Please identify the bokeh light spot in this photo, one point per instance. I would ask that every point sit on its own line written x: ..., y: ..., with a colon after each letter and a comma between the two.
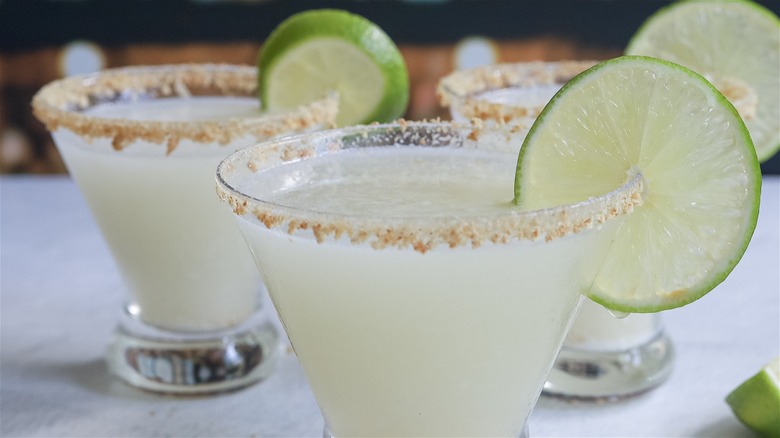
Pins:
x: 475, y: 51
x: 81, y: 57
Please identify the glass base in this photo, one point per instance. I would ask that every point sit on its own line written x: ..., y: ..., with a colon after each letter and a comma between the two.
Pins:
x: 610, y: 375
x: 193, y: 363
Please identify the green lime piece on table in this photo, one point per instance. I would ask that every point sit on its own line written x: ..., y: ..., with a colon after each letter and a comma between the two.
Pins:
x: 316, y: 52
x: 701, y: 179
x: 756, y: 402
x: 735, y: 44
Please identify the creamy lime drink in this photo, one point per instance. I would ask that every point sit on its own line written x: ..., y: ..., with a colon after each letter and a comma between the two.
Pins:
x: 133, y: 189
x: 604, y: 354
x: 142, y: 144
x: 419, y: 300
x: 599, y: 329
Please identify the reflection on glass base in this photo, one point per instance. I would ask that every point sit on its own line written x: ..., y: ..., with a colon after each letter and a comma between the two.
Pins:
x: 610, y: 375
x: 326, y: 432
x: 193, y: 364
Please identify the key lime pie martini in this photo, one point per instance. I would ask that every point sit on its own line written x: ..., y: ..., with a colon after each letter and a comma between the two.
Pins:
x: 142, y: 144
x: 606, y: 354
x: 418, y: 301
x: 425, y: 294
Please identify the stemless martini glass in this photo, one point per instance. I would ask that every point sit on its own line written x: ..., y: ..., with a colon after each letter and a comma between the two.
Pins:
x: 142, y: 144
x: 604, y: 355
x: 419, y: 300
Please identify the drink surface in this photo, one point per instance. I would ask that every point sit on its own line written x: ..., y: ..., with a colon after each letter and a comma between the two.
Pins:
x: 531, y: 97
x: 396, y: 342
x: 380, y: 182
x: 179, y: 109
x: 188, y: 272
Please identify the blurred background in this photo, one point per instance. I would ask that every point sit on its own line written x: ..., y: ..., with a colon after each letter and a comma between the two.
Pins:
x: 42, y: 40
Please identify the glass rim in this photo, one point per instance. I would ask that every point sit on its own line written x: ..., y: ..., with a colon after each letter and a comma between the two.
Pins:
x: 420, y: 232
x: 61, y: 103
x: 463, y: 87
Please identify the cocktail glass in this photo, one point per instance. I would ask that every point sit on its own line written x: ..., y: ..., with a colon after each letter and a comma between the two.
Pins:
x: 419, y: 300
x: 142, y: 144
x: 604, y: 356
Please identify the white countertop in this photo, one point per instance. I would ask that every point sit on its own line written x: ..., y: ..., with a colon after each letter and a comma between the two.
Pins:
x: 61, y: 294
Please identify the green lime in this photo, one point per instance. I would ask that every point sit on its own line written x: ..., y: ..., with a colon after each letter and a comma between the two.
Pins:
x: 702, y: 181
x: 756, y: 402
x: 735, y: 45
x: 319, y: 51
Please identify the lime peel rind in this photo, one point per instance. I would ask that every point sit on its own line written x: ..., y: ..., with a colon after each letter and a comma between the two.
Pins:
x: 756, y: 402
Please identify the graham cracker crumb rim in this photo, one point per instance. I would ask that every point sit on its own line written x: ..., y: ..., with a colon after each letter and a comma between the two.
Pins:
x: 60, y: 104
x: 418, y: 233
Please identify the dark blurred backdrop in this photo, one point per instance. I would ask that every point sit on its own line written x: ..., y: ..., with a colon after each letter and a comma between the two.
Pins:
x: 42, y: 40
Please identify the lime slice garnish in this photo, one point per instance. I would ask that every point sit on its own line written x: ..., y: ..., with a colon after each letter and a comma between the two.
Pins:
x: 735, y: 45
x: 316, y: 52
x: 702, y: 180
x: 756, y: 402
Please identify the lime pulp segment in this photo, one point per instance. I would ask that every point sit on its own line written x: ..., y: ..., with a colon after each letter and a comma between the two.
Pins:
x: 317, y: 52
x: 315, y: 66
x: 702, y: 180
x: 735, y: 45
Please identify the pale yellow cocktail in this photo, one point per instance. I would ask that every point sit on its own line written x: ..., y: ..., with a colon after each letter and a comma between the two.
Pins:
x: 418, y: 299
x: 142, y: 144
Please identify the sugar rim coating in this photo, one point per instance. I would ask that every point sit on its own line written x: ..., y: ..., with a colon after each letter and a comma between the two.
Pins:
x: 419, y: 233
x: 463, y: 87
x: 61, y: 104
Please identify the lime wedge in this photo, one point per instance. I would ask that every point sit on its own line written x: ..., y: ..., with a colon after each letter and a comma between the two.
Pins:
x: 702, y: 180
x: 316, y: 52
x: 756, y: 402
x: 735, y: 45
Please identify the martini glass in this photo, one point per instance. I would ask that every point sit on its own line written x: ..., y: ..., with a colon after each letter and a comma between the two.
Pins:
x: 142, y: 144
x: 419, y: 300
x: 605, y: 355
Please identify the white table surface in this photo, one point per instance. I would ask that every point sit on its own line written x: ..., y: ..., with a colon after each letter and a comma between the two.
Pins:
x: 61, y: 295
